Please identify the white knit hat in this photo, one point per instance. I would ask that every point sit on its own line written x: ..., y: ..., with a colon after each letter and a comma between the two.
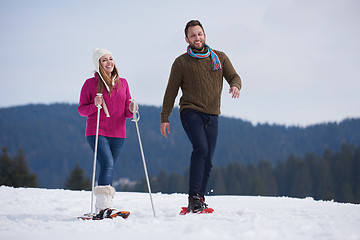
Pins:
x: 98, y: 53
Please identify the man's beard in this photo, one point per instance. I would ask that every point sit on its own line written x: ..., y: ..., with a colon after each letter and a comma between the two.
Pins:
x: 198, y: 48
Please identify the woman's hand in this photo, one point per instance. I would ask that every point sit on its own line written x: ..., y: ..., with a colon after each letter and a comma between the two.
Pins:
x: 131, y: 107
x: 98, y: 101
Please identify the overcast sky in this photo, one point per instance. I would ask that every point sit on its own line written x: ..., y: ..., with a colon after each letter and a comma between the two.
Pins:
x: 299, y: 60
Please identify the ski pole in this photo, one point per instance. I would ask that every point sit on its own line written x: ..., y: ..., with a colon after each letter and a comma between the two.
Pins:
x: 95, y: 154
x: 136, y: 117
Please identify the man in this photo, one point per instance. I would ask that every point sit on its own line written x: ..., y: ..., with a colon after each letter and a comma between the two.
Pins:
x: 199, y: 73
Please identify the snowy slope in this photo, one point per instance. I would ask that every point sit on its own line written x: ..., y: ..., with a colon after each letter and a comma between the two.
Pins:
x: 27, y: 213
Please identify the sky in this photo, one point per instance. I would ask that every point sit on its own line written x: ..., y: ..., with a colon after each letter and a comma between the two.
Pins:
x: 299, y: 61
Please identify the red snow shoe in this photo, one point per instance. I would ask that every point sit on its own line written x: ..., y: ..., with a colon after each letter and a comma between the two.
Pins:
x: 185, y: 210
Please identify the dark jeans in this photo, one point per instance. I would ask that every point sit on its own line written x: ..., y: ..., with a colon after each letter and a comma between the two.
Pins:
x: 108, y: 153
x: 202, y: 131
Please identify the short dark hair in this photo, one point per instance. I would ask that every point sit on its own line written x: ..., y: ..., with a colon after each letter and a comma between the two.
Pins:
x: 193, y: 23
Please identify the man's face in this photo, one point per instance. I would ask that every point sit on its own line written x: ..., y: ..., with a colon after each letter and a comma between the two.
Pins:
x: 196, y: 37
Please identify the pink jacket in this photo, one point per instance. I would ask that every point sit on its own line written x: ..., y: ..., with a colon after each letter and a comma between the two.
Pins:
x: 117, y: 104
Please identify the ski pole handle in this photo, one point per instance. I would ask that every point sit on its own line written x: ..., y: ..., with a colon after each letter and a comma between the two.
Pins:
x: 105, y: 109
x: 103, y: 105
x: 99, y: 105
x: 135, y: 111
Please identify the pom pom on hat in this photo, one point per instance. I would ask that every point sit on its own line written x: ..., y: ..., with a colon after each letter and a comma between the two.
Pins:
x: 98, y: 53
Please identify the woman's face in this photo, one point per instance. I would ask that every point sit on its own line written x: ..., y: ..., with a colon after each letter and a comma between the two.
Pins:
x: 107, y: 62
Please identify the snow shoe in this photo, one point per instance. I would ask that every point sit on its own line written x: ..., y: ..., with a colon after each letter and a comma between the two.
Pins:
x: 196, y: 205
x: 87, y: 216
x: 106, y: 213
x: 186, y: 210
x: 110, y: 213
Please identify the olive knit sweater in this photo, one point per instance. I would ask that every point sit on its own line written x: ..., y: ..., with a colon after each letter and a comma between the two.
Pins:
x: 201, y: 86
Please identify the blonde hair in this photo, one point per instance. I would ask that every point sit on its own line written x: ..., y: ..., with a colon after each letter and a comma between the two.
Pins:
x: 107, y: 79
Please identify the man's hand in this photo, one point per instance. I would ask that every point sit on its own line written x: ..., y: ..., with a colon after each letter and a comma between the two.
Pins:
x: 235, y: 92
x: 163, y: 127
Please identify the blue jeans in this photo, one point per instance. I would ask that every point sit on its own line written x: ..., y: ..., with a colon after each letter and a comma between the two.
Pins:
x: 108, y: 153
x: 202, y: 131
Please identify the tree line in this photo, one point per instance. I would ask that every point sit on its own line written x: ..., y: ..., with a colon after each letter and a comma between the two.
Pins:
x: 14, y: 172
x: 330, y: 176
x: 53, y: 139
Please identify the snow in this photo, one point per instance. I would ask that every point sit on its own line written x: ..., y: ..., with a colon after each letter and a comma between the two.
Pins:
x: 30, y: 213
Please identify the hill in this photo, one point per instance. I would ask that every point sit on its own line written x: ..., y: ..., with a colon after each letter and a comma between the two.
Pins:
x: 52, y: 214
x: 52, y: 137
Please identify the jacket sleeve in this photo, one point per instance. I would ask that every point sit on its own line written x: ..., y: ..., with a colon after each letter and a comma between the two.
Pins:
x: 86, y: 103
x: 128, y: 114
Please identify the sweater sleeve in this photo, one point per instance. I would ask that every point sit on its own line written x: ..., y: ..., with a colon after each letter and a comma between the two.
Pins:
x: 86, y: 104
x: 172, y: 90
x: 128, y: 114
x: 229, y: 72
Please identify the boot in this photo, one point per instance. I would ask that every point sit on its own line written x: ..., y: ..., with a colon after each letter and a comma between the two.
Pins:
x: 196, y: 203
x: 104, y: 197
x: 104, y: 202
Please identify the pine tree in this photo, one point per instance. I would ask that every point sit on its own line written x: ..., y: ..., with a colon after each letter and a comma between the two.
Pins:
x: 324, y: 183
x: 357, y: 175
x: 265, y: 172
x: 5, y: 168
x: 343, y: 173
x: 78, y: 180
x: 15, y: 172
x: 233, y: 179
x: 21, y: 174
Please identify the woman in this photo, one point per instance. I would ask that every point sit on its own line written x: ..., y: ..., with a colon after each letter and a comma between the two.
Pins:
x: 116, y: 107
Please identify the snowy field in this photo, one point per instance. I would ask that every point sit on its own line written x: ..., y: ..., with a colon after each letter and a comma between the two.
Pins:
x: 28, y: 213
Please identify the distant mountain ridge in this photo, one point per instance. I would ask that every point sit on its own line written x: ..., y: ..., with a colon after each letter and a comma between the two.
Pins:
x: 52, y: 137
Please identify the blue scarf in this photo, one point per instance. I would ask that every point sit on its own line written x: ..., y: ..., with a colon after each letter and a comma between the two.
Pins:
x: 214, y: 57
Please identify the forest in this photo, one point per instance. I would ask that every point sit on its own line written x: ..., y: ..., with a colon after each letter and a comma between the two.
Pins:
x: 52, y: 140
x: 330, y: 176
